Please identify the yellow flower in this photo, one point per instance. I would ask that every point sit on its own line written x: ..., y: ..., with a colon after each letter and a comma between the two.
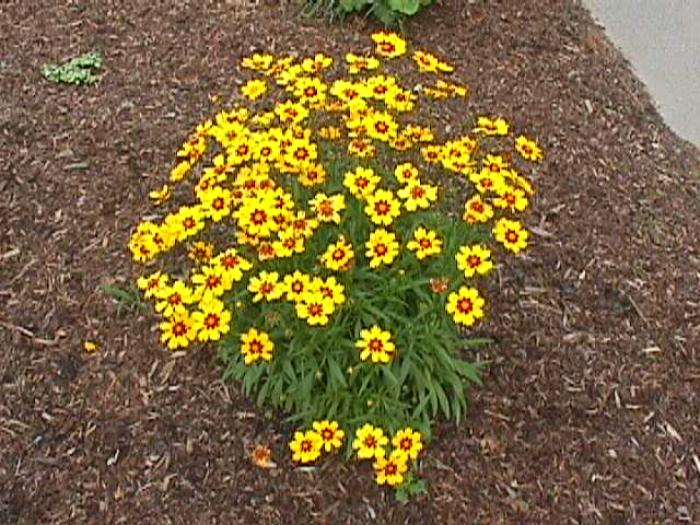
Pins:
x: 256, y: 346
x: 511, y: 234
x: 311, y: 91
x: 180, y: 171
x: 331, y: 434
x: 389, y: 45
x: 254, y: 89
x: 513, y: 199
x: 232, y: 264
x: 529, y: 149
x: 338, y: 256
x: 161, y: 195
x: 265, y: 286
x: 314, y: 308
x: 474, y: 259
x: 328, y: 207
x: 216, y: 203
x: 153, y: 283
x: 391, y: 470
x: 498, y: 126
x: 178, y: 331
x: 361, y: 182
x: 172, y: 299
x: 210, y: 282
x: 201, y: 251
x: 330, y: 288
x: 291, y: 112
x: 418, y: 195
x: 358, y: 64
x: 362, y: 148
x: 296, y: 285
x: 487, y: 181
x: 476, y: 211
x: 381, y: 126
x: 211, y: 321
x: 406, y: 173
x: 258, y: 62
x: 408, y: 441
x: 90, y: 347
x: 382, y: 207
x: 425, y: 243
x: 465, y: 306
x: 376, y: 344
x: 382, y: 248
x: 306, y: 446
x: 317, y: 64
x: 370, y: 442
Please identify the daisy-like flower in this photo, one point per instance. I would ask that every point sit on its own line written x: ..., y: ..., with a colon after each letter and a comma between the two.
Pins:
x: 232, y: 264
x: 381, y: 125
x: 338, y: 256
x: 153, y: 283
x: 425, y: 243
x: 256, y: 346
x: 529, y: 149
x: 375, y: 344
x: 317, y: 63
x: 382, y: 207
x: 474, y: 259
x: 315, y: 309
x: 254, y: 89
x: 296, y: 285
x: 212, y: 320
x: 476, y: 211
x: 487, y: 181
x: 306, y: 446
x: 330, y: 289
x: 417, y: 195
x: 370, y: 442
x: 361, y: 182
x: 391, y: 470
x: 216, y: 203
x: 409, y: 441
x: 512, y: 234
x: 382, y: 248
x: 266, y: 286
x: 180, y: 171
x: 178, y: 331
x: 362, y: 148
x: 431, y: 154
x: 328, y: 207
x: 173, y: 299
x: 258, y: 61
x: 498, y: 126
x: 291, y: 112
x: 465, y: 306
x: 201, y: 252
x: 161, y: 195
x: 311, y: 91
x: 406, y: 173
x: 358, y: 64
x: 389, y: 45
x: 210, y: 282
x: 331, y: 434
x: 513, y: 199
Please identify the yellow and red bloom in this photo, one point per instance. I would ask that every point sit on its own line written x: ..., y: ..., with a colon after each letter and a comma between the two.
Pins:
x: 306, y: 446
x: 369, y: 442
x: 476, y: 211
x: 161, y: 195
x: 474, y: 259
x: 256, y: 346
x: 529, y: 149
x: 408, y: 441
x: 375, y: 344
x: 511, y: 234
x: 465, y: 305
x: 153, y: 283
x: 418, y: 195
x: 406, y: 173
x: 498, y: 126
x: 315, y: 308
x: 358, y: 64
x: 266, y: 286
x: 331, y: 434
x: 254, y: 89
x: 178, y: 331
x: 330, y: 288
x: 339, y: 255
x: 382, y: 248
x: 212, y: 320
x: 513, y: 199
x: 361, y: 182
x: 296, y: 285
x: 173, y: 298
x: 424, y: 243
x: 328, y: 207
x: 391, y: 470
x: 210, y: 282
x: 382, y: 207
x: 389, y: 45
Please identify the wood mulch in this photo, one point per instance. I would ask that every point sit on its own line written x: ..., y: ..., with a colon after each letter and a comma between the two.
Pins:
x: 589, y: 412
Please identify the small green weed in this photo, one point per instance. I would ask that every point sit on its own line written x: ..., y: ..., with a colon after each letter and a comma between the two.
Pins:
x: 128, y: 298
x: 79, y: 70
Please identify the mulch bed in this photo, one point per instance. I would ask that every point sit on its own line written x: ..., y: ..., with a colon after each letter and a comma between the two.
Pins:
x: 589, y: 412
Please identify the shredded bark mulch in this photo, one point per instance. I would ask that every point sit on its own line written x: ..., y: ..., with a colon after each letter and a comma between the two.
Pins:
x: 589, y: 412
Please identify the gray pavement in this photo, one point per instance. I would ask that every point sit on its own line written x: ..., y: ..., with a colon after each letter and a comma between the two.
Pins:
x: 661, y: 38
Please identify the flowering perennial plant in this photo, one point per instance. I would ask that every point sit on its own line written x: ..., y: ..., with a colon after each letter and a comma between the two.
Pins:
x: 312, y: 232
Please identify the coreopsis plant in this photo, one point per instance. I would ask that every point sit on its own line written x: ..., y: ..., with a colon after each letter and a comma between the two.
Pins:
x: 335, y: 247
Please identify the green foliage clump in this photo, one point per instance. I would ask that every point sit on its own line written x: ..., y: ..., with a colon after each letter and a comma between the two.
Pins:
x: 390, y: 12
x: 78, y: 71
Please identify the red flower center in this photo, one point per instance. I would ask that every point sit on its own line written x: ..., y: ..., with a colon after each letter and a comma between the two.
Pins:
x: 212, y: 321
x: 465, y: 305
x: 474, y: 261
x: 259, y: 217
x: 315, y: 309
x: 179, y: 329
x: 511, y: 236
x: 256, y: 347
x: 381, y: 249
x: 382, y: 207
x: 339, y: 254
x: 425, y: 243
x: 375, y: 345
x: 213, y: 281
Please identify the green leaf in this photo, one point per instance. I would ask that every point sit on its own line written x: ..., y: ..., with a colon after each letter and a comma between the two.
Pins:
x: 353, y: 5
x: 407, y: 7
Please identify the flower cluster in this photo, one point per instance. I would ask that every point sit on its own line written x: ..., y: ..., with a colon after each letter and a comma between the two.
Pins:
x: 324, y: 258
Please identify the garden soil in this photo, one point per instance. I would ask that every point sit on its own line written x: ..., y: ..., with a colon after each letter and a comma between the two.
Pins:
x: 589, y: 412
